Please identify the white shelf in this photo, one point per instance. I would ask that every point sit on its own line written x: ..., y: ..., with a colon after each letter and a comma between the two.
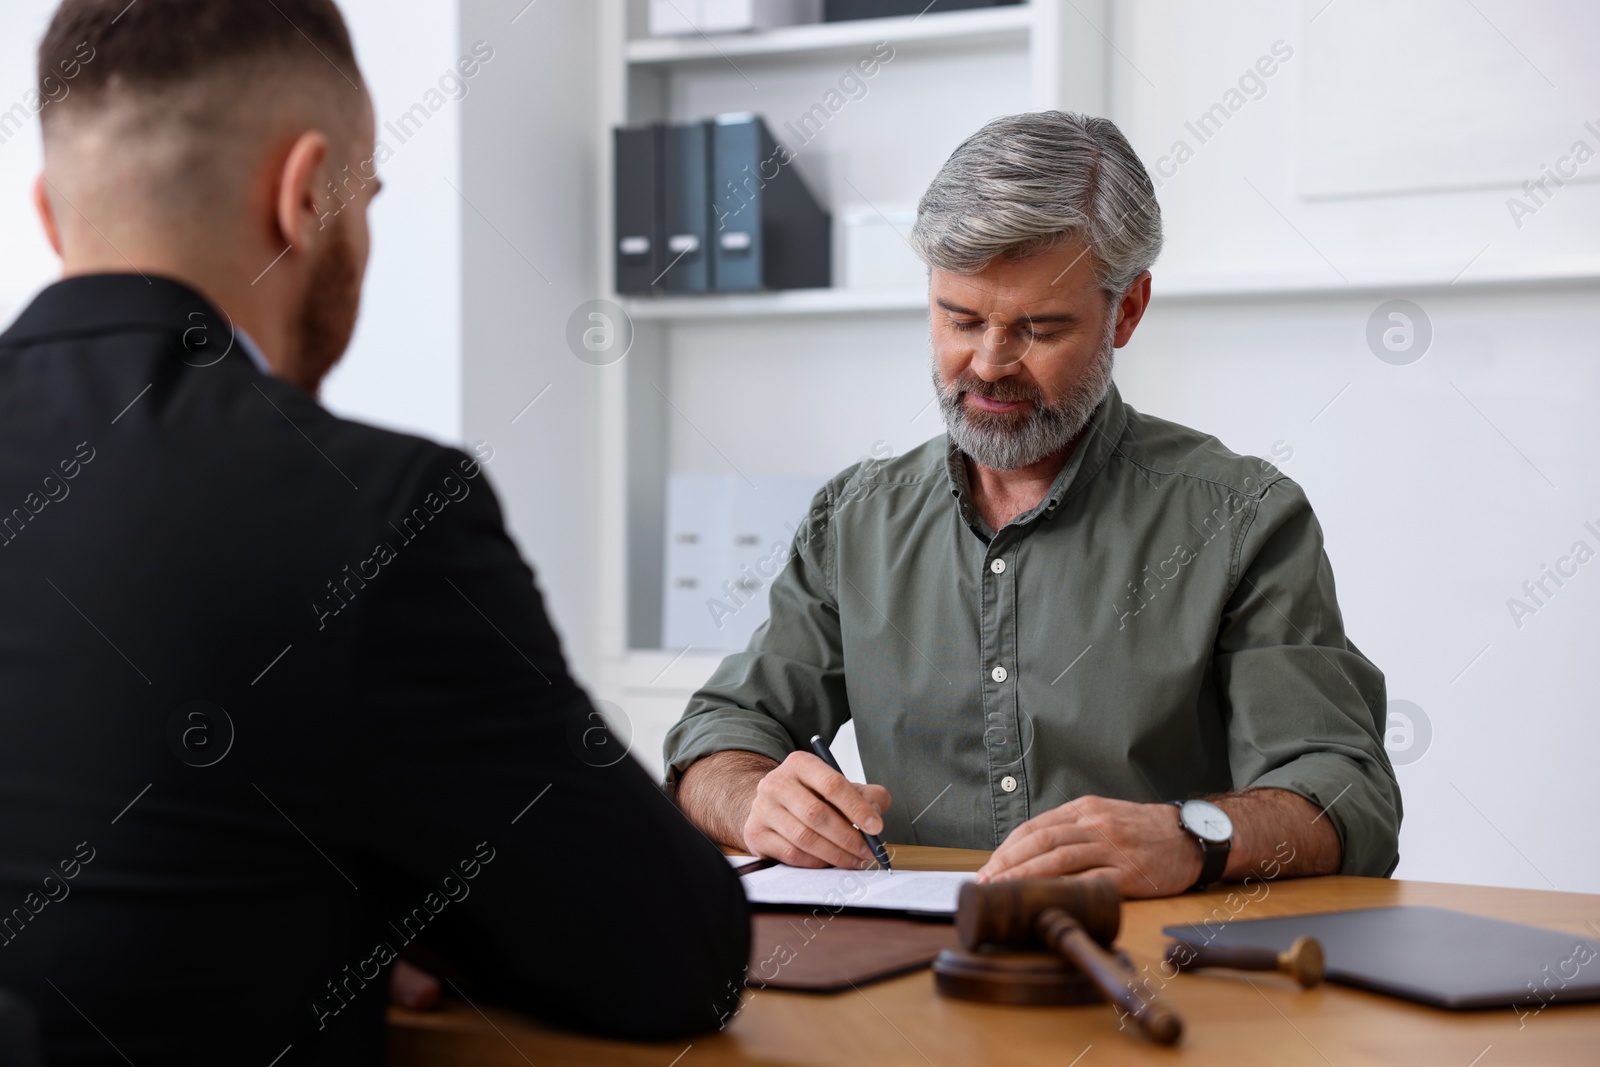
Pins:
x: 712, y: 307
x: 787, y: 302
x: 982, y: 25
x: 1313, y: 282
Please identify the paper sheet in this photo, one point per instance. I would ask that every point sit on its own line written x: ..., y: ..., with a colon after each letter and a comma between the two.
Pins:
x: 740, y: 861
x: 921, y: 891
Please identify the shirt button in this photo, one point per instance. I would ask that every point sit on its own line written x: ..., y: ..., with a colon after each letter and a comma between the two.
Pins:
x: 998, y: 566
x: 998, y: 674
x: 1009, y: 784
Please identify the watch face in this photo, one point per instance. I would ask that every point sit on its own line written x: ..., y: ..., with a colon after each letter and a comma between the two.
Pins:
x: 1206, y: 821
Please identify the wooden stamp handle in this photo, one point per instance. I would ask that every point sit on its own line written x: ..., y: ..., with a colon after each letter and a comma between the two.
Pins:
x: 1304, y: 961
x: 1066, y: 937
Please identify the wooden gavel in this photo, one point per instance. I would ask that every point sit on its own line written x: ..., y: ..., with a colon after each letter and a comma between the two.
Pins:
x: 1303, y: 961
x: 1077, y: 919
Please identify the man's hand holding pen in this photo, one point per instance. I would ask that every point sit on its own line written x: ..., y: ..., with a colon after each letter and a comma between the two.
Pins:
x: 807, y: 814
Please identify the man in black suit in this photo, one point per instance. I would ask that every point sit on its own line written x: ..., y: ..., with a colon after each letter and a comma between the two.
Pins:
x: 278, y: 697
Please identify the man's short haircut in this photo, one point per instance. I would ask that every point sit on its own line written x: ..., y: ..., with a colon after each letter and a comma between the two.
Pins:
x: 1025, y: 184
x: 152, y: 46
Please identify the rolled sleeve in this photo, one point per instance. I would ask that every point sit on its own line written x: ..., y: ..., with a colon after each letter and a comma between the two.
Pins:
x: 1305, y: 708
x: 789, y: 683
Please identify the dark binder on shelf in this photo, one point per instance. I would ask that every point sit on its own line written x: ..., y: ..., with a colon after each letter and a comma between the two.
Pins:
x: 843, y: 10
x: 768, y: 231
x: 637, y: 208
x: 686, y: 208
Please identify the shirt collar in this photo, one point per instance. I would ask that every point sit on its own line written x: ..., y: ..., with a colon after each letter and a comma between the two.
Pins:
x: 248, y: 343
x: 1095, y: 445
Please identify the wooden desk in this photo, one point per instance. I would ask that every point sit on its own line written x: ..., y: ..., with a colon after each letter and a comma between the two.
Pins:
x: 1230, y: 1019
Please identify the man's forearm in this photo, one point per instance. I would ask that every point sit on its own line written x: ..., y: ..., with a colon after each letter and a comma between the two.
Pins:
x: 1277, y: 834
x: 716, y: 792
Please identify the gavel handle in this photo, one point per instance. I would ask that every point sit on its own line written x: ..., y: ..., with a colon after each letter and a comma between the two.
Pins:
x: 1065, y: 936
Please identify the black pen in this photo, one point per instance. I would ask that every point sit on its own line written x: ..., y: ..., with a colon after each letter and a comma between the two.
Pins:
x: 820, y: 747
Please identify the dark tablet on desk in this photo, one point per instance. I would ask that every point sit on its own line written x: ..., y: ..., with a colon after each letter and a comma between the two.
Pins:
x: 1445, y: 958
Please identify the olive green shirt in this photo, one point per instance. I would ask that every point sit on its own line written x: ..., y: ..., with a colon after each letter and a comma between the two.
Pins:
x: 1162, y: 625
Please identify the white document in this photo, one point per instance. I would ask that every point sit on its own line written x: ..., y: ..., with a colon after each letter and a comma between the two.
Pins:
x: 933, y: 892
x: 740, y: 861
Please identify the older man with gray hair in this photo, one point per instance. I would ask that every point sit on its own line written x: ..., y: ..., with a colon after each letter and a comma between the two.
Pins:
x: 1084, y: 637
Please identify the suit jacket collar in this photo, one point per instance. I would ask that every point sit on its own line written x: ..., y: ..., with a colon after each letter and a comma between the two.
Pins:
x: 119, y: 303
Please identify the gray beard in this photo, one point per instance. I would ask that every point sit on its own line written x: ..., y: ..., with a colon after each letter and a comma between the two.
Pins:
x: 1044, y: 431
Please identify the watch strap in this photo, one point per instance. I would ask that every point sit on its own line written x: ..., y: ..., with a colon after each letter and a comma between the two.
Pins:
x: 1213, y: 856
x: 1213, y: 862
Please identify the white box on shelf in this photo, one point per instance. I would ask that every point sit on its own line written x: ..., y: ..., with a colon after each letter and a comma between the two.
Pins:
x: 675, y: 18
x: 726, y: 540
x: 877, y: 253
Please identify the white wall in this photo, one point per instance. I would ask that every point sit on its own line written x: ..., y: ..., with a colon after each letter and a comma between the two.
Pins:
x: 1444, y: 484
x: 530, y: 154
x: 403, y: 369
x: 1350, y: 60
x: 26, y: 262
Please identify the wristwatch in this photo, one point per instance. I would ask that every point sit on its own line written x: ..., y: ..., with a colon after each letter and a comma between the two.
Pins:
x: 1213, y: 829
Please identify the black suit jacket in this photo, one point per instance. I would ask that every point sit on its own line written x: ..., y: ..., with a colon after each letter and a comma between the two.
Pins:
x: 278, y: 697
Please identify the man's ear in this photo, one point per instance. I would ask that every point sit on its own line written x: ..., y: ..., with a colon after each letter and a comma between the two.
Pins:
x: 47, y: 214
x: 300, y: 199
x: 1131, y: 308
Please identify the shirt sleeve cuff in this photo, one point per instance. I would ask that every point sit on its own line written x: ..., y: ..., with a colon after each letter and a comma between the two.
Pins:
x: 692, y: 739
x: 1366, y: 817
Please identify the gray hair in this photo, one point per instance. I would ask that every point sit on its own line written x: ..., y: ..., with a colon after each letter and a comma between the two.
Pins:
x: 1027, y: 183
